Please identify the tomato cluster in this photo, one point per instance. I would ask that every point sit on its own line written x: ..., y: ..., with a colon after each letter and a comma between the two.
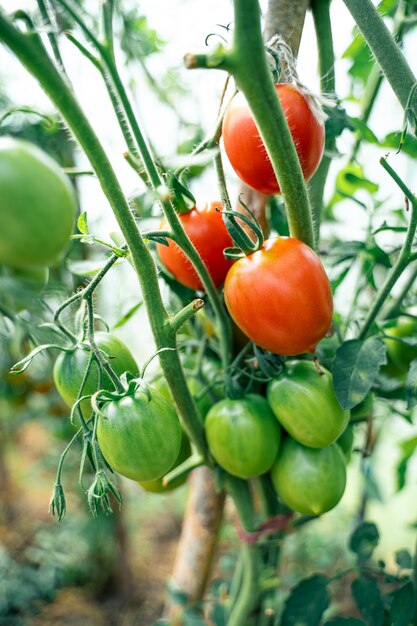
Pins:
x: 294, y: 434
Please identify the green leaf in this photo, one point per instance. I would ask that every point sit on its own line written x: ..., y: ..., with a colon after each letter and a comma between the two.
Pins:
x: 362, y: 61
x: 364, y: 540
x: 82, y: 223
x: 307, y: 602
x: 355, y: 368
x: 364, y: 132
x: 368, y: 599
x: 411, y: 385
x: 403, y: 606
x: 345, y: 621
x: 126, y: 317
x: 404, y: 559
x: 350, y: 180
x: 407, y: 448
x: 393, y: 140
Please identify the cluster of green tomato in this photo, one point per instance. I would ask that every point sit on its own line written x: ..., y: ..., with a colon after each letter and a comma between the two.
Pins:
x: 37, y: 215
x: 298, y: 432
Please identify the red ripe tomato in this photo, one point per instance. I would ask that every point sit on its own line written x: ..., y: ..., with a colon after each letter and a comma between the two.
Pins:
x: 206, y: 230
x: 280, y: 297
x: 246, y: 151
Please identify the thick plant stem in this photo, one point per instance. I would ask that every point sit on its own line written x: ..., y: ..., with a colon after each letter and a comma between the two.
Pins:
x: 198, y: 541
x: 323, y: 27
x: 386, y: 51
x: 33, y: 57
x: 286, y: 19
x: 403, y: 259
x: 248, y: 64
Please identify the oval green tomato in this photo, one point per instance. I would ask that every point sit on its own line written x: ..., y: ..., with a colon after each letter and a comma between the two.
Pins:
x: 345, y: 442
x: 70, y: 367
x: 156, y: 486
x: 243, y: 435
x: 305, y: 404
x: 399, y: 353
x: 139, y: 436
x: 37, y: 206
x: 308, y: 480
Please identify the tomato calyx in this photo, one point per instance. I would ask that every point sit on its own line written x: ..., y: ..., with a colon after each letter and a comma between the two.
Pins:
x: 134, y: 386
x: 245, y: 244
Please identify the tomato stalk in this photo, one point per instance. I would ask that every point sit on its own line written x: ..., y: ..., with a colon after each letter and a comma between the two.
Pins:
x: 404, y: 258
x: 246, y: 60
x: 387, y: 53
x: 323, y: 28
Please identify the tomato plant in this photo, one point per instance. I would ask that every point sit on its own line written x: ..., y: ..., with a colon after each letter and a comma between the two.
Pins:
x: 139, y: 435
x: 280, y: 297
x: 70, y: 368
x: 246, y: 151
x: 243, y: 435
x: 205, y: 228
x: 37, y: 206
x: 304, y: 402
x: 308, y: 480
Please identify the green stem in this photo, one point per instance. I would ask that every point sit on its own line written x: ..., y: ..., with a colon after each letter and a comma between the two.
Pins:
x: 323, y: 28
x: 403, y: 259
x: 395, y: 306
x: 249, y: 66
x: 185, y: 314
x: 28, y: 51
x: 374, y: 82
x: 52, y: 36
x: 386, y: 51
x: 249, y: 589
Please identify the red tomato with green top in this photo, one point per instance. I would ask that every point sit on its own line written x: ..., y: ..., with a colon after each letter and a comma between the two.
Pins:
x: 280, y: 297
x: 245, y: 148
x: 207, y: 232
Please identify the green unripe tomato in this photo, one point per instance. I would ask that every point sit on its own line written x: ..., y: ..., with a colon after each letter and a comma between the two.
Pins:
x: 70, y: 367
x: 345, y: 442
x: 37, y: 206
x: 20, y: 287
x: 305, y: 404
x: 243, y: 435
x: 401, y: 354
x: 310, y: 481
x: 139, y: 436
x: 156, y: 486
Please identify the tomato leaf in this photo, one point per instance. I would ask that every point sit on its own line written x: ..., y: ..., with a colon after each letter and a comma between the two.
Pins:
x: 126, y: 317
x: 355, y: 368
x: 364, y: 540
x: 411, y: 385
x: 408, y: 448
x: 404, y: 559
x: 82, y: 223
x: 368, y: 599
x: 307, y: 602
x: 403, y: 605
